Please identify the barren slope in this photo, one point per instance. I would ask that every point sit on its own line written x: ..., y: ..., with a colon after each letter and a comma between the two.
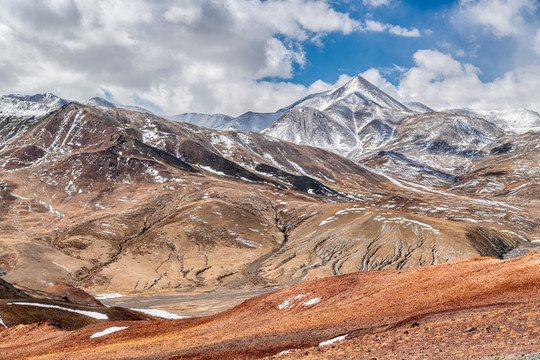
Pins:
x: 61, y: 307
x: 368, y: 307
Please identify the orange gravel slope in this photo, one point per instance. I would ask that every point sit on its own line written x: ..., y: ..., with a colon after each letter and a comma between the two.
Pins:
x: 360, y: 305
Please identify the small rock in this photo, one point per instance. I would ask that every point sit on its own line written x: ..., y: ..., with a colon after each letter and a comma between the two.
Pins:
x: 471, y: 329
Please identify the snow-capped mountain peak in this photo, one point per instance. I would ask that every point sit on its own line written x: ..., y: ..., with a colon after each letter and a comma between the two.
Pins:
x: 29, y: 106
x: 47, y: 99
x: 98, y: 101
x: 357, y: 88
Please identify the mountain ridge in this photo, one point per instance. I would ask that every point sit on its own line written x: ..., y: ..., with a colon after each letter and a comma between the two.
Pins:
x: 513, y: 120
x: 320, y: 192
x: 99, y: 187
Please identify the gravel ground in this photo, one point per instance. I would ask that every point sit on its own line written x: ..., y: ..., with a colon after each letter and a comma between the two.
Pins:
x: 513, y: 357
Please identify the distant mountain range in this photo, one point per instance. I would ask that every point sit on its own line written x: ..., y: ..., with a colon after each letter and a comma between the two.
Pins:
x: 358, y: 99
x: 340, y: 181
x: 357, y: 120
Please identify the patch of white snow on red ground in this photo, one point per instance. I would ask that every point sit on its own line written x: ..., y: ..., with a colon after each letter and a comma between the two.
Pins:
x: 331, y: 341
x: 108, y: 331
x: 288, y: 351
x: 312, y: 301
x: 92, y: 314
x: 298, y: 300
x: 208, y: 168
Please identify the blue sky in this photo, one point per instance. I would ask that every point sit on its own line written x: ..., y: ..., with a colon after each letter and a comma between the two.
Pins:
x: 231, y: 56
x: 357, y: 52
x: 441, y: 29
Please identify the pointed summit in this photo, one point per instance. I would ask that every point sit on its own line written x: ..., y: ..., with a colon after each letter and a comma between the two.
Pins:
x: 98, y: 101
x: 360, y: 87
x: 356, y: 90
x: 353, y: 118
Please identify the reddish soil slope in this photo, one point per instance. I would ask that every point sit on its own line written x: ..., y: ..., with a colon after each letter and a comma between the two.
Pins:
x: 73, y: 294
x: 451, y: 304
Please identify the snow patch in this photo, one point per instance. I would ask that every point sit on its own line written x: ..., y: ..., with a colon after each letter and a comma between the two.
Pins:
x: 288, y: 351
x: 62, y: 266
x: 406, y: 222
x: 161, y: 314
x: 92, y: 314
x: 312, y: 302
x: 249, y: 243
x: 108, y: 331
x: 208, y: 168
x: 51, y: 209
x: 107, y: 296
x: 334, y: 340
x: 20, y: 197
x: 329, y: 220
x: 298, y: 300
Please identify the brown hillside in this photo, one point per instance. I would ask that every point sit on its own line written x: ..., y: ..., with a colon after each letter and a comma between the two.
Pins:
x: 367, y: 306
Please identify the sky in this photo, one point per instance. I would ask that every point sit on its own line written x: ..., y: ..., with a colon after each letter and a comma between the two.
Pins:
x: 233, y: 56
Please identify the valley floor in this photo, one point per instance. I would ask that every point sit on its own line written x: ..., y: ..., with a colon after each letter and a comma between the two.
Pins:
x: 188, y: 304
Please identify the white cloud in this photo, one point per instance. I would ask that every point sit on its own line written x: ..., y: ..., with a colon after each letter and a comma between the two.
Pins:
x: 179, y: 55
x: 188, y: 13
x: 182, y: 55
x: 500, y: 17
x: 399, y: 31
x: 376, y: 78
x: 280, y: 60
x: 440, y: 81
x: 376, y: 3
x: 376, y: 26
